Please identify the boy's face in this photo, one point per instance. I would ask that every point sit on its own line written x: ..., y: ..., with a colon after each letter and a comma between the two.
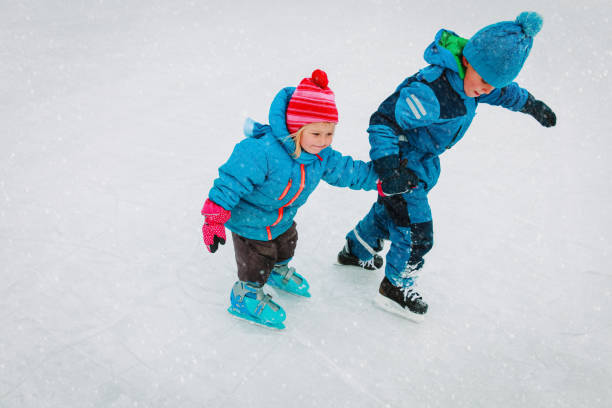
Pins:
x: 317, y: 136
x: 473, y: 84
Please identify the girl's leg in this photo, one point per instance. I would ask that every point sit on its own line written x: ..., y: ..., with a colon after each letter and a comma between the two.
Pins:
x: 255, y: 259
x: 285, y: 244
x: 283, y: 276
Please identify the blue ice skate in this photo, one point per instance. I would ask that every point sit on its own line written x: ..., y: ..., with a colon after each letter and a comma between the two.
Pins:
x: 285, y: 278
x: 248, y: 301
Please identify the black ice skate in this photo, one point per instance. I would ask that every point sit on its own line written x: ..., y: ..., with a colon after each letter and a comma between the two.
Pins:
x: 346, y: 258
x: 405, y: 302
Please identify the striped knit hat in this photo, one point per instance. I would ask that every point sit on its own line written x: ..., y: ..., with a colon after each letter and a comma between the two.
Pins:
x: 311, y: 102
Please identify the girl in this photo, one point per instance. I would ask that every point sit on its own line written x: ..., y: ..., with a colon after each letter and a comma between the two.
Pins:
x: 268, y: 176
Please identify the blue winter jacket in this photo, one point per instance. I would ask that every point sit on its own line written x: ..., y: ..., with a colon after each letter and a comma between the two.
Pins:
x: 263, y: 185
x: 429, y: 112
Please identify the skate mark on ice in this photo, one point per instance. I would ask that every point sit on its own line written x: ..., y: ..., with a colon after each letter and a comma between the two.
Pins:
x: 344, y: 376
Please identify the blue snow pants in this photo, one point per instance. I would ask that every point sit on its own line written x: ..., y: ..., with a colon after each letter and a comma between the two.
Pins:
x: 406, y: 221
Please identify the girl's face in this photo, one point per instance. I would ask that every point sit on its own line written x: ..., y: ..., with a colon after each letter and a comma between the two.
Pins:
x: 473, y: 84
x: 317, y: 136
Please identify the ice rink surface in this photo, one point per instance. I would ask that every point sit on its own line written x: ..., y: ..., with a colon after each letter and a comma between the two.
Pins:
x: 114, y: 118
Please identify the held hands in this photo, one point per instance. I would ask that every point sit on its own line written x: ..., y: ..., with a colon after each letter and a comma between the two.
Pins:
x: 213, y: 229
x: 540, y: 111
x: 395, y: 178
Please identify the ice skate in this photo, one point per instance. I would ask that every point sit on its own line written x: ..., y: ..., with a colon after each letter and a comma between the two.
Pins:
x: 286, y: 278
x: 249, y: 302
x: 403, y: 301
x: 345, y: 257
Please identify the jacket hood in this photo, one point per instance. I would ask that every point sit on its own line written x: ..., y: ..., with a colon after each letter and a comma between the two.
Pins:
x: 446, y: 51
x: 278, y: 126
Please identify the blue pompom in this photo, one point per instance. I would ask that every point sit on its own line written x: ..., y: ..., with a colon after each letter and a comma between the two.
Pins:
x: 531, y: 22
x: 249, y: 127
x: 254, y: 129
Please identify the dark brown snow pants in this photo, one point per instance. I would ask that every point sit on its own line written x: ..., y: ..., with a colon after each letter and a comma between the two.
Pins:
x: 256, y: 259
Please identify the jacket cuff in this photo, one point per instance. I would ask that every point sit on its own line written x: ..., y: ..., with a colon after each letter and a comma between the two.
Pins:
x: 528, y: 107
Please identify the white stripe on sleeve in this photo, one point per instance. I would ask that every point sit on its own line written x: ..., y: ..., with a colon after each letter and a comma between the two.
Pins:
x: 419, y: 104
x: 413, y: 108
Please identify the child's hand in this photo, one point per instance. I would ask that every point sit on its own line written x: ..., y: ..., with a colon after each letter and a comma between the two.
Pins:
x: 540, y: 111
x: 213, y: 229
x: 395, y: 178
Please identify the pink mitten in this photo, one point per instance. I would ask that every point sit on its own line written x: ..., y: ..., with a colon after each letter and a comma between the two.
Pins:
x: 213, y: 230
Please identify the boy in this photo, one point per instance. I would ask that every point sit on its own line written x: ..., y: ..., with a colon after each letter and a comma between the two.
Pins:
x: 427, y: 114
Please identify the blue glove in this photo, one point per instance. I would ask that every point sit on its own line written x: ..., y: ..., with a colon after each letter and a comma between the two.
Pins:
x: 540, y: 111
x: 395, y: 178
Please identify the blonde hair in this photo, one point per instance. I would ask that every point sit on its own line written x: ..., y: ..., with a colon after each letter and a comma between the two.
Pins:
x: 297, y: 137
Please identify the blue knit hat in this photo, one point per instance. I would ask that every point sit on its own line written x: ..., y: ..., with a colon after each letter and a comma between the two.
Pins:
x: 498, y: 51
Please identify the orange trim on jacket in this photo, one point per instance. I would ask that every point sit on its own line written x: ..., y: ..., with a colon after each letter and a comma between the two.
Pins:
x: 281, y: 210
x: 285, y: 191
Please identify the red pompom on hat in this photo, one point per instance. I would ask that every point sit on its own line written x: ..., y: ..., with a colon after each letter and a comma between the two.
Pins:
x: 311, y: 102
x: 319, y: 78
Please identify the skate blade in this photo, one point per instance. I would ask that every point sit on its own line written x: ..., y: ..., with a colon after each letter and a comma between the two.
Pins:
x: 361, y: 268
x: 252, y: 320
x: 392, y: 307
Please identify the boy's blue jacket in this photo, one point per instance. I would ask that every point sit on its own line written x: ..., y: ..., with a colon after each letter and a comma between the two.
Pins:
x: 263, y: 185
x: 429, y: 112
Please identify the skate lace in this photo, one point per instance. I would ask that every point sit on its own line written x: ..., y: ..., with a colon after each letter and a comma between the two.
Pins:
x: 368, y: 263
x: 411, y: 294
x: 409, y: 277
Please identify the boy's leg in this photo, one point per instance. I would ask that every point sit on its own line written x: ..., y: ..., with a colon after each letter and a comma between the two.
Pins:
x: 365, y: 240
x: 422, y: 241
x: 411, y: 234
x: 397, y: 292
x: 410, y: 241
x: 408, y: 246
x: 399, y: 253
